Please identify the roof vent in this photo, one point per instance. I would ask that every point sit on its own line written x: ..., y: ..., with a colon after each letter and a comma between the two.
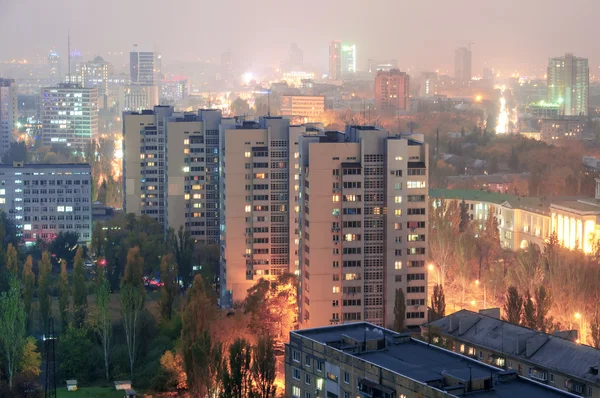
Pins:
x: 594, y: 370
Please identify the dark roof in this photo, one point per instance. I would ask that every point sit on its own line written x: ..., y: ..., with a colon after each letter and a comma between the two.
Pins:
x: 416, y: 165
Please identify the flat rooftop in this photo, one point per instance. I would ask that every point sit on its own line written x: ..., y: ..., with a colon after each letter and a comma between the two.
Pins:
x: 425, y: 363
x: 46, y: 166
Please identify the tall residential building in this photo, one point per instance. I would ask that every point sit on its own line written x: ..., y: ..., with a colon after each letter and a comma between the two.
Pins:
x: 335, y: 60
x: 429, y: 84
x: 363, y: 226
x: 8, y: 113
x: 296, y: 61
x: 348, y: 59
x: 392, y: 91
x: 69, y: 115
x: 145, y: 67
x: 384, y: 65
x: 95, y: 73
x: 568, y: 84
x: 135, y: 97
x: 55, y: 66
x: 45, y: 199
x: 259, y: 203
x: 303, y: 108
x: 462, y: 65
x: 170, y: 168
x: 174, y: 90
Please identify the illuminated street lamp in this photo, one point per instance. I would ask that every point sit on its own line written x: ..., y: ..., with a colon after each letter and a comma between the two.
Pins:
x: 432, y: 267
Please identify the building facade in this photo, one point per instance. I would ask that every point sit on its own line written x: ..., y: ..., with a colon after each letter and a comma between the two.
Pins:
x: 145, y: 67
x: 95, y: 74
x: 348, y: 59
x: 45, y: 199
x: 565, y: 128
x: 303, y: 108
x: 335, y: 60
x: 69, y: 115
x: 392, y: 91
x: 375, y: 65
x: 462, y: 65
x: 569, y: 84
x: 259, y: 177
x: 363, y: 205
x: 362, y: 360
x: 170, y: 169
x: 9, y: 113
x: 429, y: 84
x: 135, y: 98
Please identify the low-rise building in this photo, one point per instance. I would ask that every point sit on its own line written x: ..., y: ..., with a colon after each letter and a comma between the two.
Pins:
x: 45, y: 199
x: 303, y: 108
x: 544, y: 358
x: 569, y: 128
x: 363, y: 360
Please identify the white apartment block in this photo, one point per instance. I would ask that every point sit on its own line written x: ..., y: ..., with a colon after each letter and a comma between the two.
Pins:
x: 259, y: 202
x: 363, y: 227
x: 8, y: 113
x: 304, y: 108
x: 170, y: 167
x: 69, y: 115
x: 45, y: 199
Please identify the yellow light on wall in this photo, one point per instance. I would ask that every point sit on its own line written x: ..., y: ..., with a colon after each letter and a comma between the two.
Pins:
x: 589, y: 229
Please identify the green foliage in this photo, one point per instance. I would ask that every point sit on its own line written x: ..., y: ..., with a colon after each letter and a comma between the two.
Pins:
x: 12, y: 264
x: 182, y: 246
x: 237, y: 380
x: 264, y: 367
x: 28, y: 289
x: 12, y: 328
x: 44, y: 290
x: 31, y: 359
x: 102, y: 322
x: 78, y: 357
x: 514, y: 306
x: 17, y: 152
x: 80, y: 291
x: 529, y: 316
x: 438, y: 303
x: 204, y: 365
x: 63, y: 295
x: 64, y: 246
x: 170, y: 288
x: 399, y: 311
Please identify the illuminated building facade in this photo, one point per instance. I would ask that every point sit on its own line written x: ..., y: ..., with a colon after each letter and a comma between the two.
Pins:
x: 363, y: 226
x: 384, y: 65
x: 172, y: 174
x: 8, y: 113
x: 306, y: 108
x: 135, y: 98
x: 348, y: 59
x: 295, y: 78
x: 69, y: 115
x: 429, y: 84
x: 55, y: 67
x: 565, y: 128
x: 569, y: 84
x: 335, y: 60
x: 95, y: 74
x: 174, y: 90
x: 145, y: 67
x: 392, y: 91
x: 45, y: 199
x: 462, y: 65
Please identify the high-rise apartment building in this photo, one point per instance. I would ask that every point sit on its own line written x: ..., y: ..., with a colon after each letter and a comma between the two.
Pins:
x: 145, y: 67
x: 392, y: 91
x: 462, y: 65
x: 55, y: 67
x: 69, y: 115
x: 568, y: 84
x: 96, y: 74
x: 429, y: 84
x: 363, y: 211
x: 45, y: 199
x: 170, y: 168
x: 335, y: 60
x: 8, y: 113
x: 259, y: 203
x: 348, y: 59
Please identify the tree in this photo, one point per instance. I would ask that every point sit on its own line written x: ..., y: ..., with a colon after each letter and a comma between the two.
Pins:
x: 529, y: 315
x: 17, y: 152
x: 44, y: 297
x: 399, y: 311
x: 513, y: 161
x: 183, y: 247
x: 595, y: 330
x: 64, y: 246
x: 132, y: 301
x: 172, y: 364
x: 204, y: 365
x: 438, y: 302
x: 79, y: 290
x: 169, y: 289
x: 464, y: 216
x: 11, y: 260
x: 12, y: 328
x: 237, y: 381
x: 77, y: 355
x: 28, y: 288
x: 543, y: 304
x: 465, y: 251
x: 513, y: 306
x: 443, y: 229
x: 31, y: 359
x: 63, y: 295
x: 264, y: 367
x: 102, y: 321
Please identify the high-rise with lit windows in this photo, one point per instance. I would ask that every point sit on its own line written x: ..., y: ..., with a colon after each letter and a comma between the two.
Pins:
x: 69, y: 115
x: 569, y: 84
x: 8, y: 113
x: 95, y: 73
x: 363, y: 226
x: 335, y: 60
x: 392, y: 91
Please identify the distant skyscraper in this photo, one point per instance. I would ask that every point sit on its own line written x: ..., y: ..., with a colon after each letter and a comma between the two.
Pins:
x: 335, y: 60
x: 75, y: 65
x: 8, y: 113
x: 174, y: 90
x: 296, y: 58
x: 462, y: 65
x: 145, y: 67
x: 392, y: 91
x: 135, y: 97
x: 384, y: 65
x: 95, y: 73
x: 69, y: 115
x: 54, y: 65
x: 429, y: 84
x: 568, y: 84
x: 348, y: 59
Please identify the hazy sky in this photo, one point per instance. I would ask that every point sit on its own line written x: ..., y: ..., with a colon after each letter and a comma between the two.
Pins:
x: 507, y: 34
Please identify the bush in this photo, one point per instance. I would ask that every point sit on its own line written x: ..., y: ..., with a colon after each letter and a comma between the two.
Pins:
x: 79, y: 357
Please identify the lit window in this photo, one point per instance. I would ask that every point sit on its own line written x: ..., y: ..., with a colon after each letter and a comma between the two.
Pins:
x: 296, y: 155
x: 248, y: 208
x: 69, y: 208
x: 415, y: 184
x: 398, y: 199
x: 186, y: 169
x: 60, y: 208
x: 335, y: 198
x: 27, y: 227
x: 398, y: 157
x: 398, y: 265
x: 462, y: 348
x: 295, y: 391
x: 247, y: 154
x: 2, y: 200
x: 336, y: 289
x: 186, y: 141
x: 186, y: 196
x: 398, y: 212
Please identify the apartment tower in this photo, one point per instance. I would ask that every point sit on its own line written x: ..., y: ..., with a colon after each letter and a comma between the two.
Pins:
x: 8, y: 113
x: 462, y: 65
x: 335, y: 60
x: 363, y: 226
x: 392, y: 91
x: 569, y: 84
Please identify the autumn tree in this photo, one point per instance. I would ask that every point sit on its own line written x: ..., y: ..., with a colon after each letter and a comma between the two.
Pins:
x: 182, y: 245
x: 170, y: 288
x: 102, y: 322
x: 204, y: 364
x: 132, y: 297
x: 12, y: 328
x: 529, y: 315
x: 595, y: 330
x: 464, y: 216
x: 28, y: 288
x: 237, y: 379
x: 44, y: 290
x: 264, y: 367
x: 172, y: 364
x: 443, y: 228
x: 31, y: 359
x: 513, y: 308
x: 12, y: 264
x: 465, y: 250
x: 543, y: 304
x: 438, y: 303
x: 80, y: 304
x: 399, y: 311
x: 63, y: 295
